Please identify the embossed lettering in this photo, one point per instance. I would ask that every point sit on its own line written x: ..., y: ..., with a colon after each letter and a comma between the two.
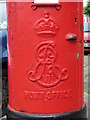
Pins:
x: 48, y: 95
x: 47, y: 72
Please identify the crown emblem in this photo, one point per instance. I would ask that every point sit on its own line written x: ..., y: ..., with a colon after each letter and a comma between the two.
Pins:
x: 46, y: 26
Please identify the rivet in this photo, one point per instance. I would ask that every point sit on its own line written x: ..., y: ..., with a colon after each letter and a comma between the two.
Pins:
x: 58, y: 7
x: 34, y: 7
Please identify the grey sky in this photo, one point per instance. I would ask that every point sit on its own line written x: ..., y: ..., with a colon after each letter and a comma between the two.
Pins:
x: 85, y: 2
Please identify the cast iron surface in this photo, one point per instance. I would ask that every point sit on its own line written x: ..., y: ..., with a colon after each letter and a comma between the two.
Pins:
x: 65, y: 116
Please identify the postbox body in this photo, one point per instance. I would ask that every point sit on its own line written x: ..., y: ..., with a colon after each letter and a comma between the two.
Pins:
x: 45, y: 57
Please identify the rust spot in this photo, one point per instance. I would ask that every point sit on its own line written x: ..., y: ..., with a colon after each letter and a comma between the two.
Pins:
x: 22, y: 111
x: 80, y: 42
x: 80, y: 27
x: 75, y: 20
x: 77, y: 55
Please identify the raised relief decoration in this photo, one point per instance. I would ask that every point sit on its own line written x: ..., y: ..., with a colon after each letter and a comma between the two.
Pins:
x: 46, y: 26
x: 46, y: 72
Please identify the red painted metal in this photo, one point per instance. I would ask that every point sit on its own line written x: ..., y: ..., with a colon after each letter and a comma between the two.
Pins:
x: 45, y: 68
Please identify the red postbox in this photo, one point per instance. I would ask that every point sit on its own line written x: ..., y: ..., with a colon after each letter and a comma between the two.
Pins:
x: 45, y: 60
